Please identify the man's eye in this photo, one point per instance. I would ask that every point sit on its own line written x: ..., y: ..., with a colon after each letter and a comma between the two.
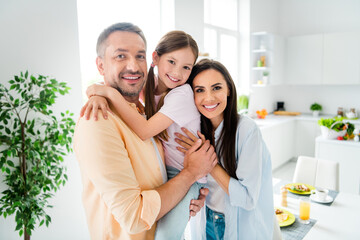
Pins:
x: 141, y: 57
x: 120, y: 56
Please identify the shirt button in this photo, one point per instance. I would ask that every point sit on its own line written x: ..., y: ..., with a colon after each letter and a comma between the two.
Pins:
x: 216, y: 217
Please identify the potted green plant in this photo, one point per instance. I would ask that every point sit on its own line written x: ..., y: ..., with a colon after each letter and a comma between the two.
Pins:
x: 33, y: 145
x: 316, y: 108
x: 265, y: 77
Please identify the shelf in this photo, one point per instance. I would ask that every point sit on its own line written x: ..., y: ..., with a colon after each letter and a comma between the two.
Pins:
x: 260, y: 68
x: 260, y: 50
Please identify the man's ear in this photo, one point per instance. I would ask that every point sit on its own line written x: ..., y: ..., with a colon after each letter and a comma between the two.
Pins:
x: 100, y: 65
x: 155, y: 58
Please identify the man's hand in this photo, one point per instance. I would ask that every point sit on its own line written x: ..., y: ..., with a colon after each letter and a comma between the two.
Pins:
x: 200, y: 161
x: 196, y: 205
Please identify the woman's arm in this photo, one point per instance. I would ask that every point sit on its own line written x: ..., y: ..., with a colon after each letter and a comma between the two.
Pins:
x: 143, y: 128
x: 218, y: 173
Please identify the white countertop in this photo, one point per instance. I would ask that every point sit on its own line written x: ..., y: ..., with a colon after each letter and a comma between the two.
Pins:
x: 349, y: 143
x: 273, y: 120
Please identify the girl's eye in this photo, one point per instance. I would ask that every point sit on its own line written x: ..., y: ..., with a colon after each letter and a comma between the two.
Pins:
x: 172, y: 62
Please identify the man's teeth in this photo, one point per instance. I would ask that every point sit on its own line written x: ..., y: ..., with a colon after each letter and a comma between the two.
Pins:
x: 131, y: 78
x: 210, y: 106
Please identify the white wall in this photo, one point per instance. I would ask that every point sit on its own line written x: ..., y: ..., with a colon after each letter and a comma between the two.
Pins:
x: 300, y: 18
x: 42, y: 36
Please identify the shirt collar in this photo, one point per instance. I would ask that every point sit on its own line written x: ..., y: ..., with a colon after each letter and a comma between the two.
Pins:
x: 218, y: 130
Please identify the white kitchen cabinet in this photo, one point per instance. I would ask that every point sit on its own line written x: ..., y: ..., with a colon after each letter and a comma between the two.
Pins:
x: 341, y: 58
x: 305, y: 133
x: 304, y: 58
x: 279, y: 140
x: 347, y: 154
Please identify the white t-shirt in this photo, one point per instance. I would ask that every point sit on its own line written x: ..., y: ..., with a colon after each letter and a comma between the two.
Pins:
x: 180, y: 107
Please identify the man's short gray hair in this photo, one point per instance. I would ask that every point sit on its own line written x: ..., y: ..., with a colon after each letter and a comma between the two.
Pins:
x: 122, y: 27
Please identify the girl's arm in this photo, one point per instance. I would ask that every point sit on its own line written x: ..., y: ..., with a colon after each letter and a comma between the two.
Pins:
x: 143, y: 128
x: 218, y: 173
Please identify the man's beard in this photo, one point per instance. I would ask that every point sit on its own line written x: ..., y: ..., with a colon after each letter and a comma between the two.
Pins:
x: 126, y: 93
x: 129, y: 94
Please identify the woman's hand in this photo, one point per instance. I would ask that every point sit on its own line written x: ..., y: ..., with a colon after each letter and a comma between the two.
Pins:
x: 93, y: 105
x: 97, y: 89
x: 187, y: 141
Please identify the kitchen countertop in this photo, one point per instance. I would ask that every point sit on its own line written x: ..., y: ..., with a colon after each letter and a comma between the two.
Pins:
x: 273, y: 120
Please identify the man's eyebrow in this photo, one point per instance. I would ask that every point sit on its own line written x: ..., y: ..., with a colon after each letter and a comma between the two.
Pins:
x: 121, y: 50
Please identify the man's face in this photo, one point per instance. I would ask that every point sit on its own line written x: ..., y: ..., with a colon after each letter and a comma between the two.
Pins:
x: 124, y: 63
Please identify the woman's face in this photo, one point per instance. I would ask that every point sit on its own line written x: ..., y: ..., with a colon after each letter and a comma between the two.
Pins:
x: 210, y: 93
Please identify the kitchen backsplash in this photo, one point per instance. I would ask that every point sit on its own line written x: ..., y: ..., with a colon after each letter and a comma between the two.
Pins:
x: 299, y: 98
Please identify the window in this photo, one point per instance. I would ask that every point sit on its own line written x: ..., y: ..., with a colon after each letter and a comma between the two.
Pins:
x: 221, y: 35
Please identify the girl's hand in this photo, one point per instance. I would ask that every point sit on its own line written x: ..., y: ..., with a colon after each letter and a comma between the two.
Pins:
x: 187, y: 141
x: 93, y: 104
x: 97, y: 89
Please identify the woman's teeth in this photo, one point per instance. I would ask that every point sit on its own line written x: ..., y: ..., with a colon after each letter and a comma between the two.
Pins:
x: 210, y: 106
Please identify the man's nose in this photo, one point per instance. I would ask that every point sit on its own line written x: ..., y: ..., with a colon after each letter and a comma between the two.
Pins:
x: 133, y: 65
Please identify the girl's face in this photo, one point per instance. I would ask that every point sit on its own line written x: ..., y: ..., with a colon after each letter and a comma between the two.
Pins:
x: 174, y: 68
x: 210, y: 93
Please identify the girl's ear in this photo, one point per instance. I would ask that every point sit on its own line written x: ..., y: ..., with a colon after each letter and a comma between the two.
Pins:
x: 155, y: 58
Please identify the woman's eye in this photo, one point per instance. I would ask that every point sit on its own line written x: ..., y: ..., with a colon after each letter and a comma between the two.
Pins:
x: 187, y: 68
x: 217, y: 88
x: 199, y: 90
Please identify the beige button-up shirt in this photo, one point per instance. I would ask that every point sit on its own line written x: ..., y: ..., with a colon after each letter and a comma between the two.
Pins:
x: 119, y: 172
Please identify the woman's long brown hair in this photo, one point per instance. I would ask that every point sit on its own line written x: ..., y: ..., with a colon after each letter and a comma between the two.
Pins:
x: 172, y: 41
x: 227, y: 140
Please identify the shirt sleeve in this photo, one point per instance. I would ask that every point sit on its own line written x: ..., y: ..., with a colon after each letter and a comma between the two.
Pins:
x: 179, y: 105
x: 104, y: 159
x: 244, y: 192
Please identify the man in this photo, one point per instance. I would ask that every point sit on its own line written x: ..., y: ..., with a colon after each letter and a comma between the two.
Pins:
x: 124, y: 178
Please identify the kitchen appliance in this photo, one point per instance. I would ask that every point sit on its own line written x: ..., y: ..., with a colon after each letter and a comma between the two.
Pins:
x: 280, y: 106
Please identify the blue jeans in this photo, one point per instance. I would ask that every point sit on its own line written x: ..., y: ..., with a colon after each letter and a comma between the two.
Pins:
x: 173, y: 224
x: 215, y: 225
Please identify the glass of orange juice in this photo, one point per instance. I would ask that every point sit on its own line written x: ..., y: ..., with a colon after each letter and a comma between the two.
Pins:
x: 304, y: 210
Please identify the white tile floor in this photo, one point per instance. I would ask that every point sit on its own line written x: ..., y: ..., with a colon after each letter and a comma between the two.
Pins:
x: 285, y: 171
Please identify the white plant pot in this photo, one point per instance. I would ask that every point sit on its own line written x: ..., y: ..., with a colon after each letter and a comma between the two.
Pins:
x: 316, y: 113
x: 328, y: 133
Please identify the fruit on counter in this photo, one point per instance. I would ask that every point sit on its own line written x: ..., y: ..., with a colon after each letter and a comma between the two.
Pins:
x: 261, y: 114
x: 340, y: 138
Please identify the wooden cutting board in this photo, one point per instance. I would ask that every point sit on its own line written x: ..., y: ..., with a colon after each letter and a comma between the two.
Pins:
x: 285, y: 113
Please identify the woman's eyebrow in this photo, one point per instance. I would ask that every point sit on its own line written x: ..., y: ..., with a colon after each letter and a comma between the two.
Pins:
x: 216, y: 84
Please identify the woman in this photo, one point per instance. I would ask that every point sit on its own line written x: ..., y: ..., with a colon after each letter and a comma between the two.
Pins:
x: 240, y: 202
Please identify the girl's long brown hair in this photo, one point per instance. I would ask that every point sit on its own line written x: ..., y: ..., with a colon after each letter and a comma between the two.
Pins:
x: 227, y: 140
x: 172, y: 41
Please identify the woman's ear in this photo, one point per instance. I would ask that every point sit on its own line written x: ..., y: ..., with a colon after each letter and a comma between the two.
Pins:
x: 155, y: 58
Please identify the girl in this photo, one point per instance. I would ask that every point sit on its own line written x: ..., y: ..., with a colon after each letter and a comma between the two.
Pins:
x: 240, y: 202
x: 169, y: 106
